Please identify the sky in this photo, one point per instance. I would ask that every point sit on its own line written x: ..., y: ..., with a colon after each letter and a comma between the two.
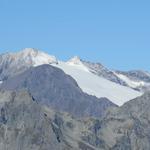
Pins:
x: 115, y: 33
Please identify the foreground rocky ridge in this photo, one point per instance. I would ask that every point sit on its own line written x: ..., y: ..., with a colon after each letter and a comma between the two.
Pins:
x: 25, y: 124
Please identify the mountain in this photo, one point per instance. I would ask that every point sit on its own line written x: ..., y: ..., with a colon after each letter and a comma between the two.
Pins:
x: 14, y: 63
x: 92, y: 78
x: 43, y: 107
x: 52, y: 87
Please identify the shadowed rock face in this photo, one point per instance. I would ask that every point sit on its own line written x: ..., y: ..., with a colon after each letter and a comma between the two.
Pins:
x: 51, y: 86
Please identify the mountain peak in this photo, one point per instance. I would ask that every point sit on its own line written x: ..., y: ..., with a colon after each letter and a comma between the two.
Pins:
x: 23, y: 59
x: 35, y: 57
x: 29, y: 51
x: 75, y: 60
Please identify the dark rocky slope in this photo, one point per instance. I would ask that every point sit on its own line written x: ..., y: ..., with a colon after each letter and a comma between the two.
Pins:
x: 52, y: 87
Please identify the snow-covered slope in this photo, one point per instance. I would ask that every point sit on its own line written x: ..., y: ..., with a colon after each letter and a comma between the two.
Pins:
x: 98, y: 86
x: 135, y: 79
x: 102, y: 71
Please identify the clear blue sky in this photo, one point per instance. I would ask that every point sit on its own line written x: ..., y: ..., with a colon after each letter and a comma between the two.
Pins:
x: 113, y: 32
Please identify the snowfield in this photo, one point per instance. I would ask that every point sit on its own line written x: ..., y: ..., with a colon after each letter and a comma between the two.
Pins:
x: 97, y: 86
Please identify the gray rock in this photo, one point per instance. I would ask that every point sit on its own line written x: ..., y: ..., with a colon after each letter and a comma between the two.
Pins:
x: 25, y: 126
x: 31, y: 126
x: 125, y: 128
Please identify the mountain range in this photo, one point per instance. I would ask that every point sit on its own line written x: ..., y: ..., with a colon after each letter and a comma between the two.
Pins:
x: 92, y: 78
x: 48, y: 104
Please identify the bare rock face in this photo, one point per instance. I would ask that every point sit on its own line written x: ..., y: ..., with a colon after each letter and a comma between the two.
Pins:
x: 26, y: 125
x: 125, y: 128
x: 23, y: 125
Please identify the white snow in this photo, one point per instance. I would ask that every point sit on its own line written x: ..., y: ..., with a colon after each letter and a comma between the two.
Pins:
x: 76, y: 62
x: 44, y: 59
x: 130, y: 82
x: 28, y: 56
x: 98, y: 86
x: 37, y: 57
